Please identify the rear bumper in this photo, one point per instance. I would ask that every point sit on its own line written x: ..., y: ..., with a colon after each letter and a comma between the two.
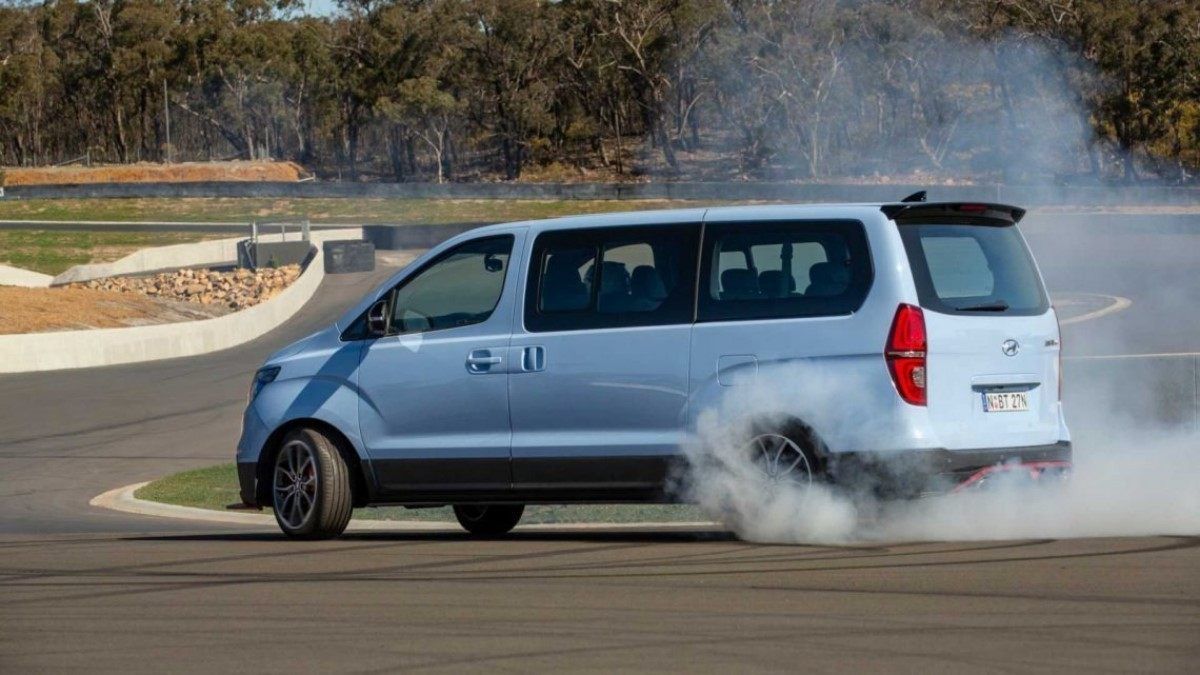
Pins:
x: 920, y: 471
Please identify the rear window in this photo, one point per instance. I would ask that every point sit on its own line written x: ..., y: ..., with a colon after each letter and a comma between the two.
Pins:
x: 973, y: 269
x: 783, y: 269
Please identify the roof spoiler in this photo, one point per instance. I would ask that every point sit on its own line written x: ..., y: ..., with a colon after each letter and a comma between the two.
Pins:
x: 1001, y: 214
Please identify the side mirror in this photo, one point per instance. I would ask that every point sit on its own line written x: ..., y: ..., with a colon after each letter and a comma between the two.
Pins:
x: 492, y: 264
x: 377, y: 319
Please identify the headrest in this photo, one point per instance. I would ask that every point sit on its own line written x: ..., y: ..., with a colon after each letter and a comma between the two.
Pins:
x: 614, y: 278
x: 829, y: 274
x: 645, y: 283
x: 775, y: 283
x: 562, y: 269
x: 739, y: 282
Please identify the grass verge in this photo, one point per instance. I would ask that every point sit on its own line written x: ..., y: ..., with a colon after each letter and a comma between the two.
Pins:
x: 327, y: 210
x: 54, y: 251
x: 215, y: 487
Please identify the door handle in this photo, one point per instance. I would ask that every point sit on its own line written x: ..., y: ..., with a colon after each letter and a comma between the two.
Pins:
x: 481, y: 361
x: 533, y: 359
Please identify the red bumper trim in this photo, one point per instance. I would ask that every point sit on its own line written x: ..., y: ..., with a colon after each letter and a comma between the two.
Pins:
x: 1035, y: 470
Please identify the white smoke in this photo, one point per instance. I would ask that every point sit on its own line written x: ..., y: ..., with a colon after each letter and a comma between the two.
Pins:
x: 1124, y: 483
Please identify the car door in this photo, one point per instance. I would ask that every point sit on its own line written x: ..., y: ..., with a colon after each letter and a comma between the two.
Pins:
x: 599, y: 378
x: 433, y: 409
x: 776, y: 332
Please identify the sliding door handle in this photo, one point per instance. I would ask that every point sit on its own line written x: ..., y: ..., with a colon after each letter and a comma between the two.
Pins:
x: 533, y: 359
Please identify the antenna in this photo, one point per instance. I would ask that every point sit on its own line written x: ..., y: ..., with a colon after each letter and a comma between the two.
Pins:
x: 914, y: 197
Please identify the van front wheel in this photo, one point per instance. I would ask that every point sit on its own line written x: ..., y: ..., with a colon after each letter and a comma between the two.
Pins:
x: 488, y: 520
x: 310, y: 487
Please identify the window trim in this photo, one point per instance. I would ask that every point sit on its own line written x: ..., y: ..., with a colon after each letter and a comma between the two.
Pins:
x: 777, y: 310
x: 356, y: 329
x: 602, y: 239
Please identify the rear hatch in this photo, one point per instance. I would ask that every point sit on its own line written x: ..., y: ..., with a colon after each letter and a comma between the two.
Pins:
x: 993, y: 342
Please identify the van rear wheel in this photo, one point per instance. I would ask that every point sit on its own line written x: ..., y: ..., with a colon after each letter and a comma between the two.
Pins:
x: 782, y: 460
x: 488, y: 520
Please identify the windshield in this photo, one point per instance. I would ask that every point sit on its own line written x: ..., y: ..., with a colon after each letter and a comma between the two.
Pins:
x: 973, y: 269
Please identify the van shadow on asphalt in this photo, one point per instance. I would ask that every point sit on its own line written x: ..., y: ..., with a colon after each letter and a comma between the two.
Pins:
x: 644, y: 536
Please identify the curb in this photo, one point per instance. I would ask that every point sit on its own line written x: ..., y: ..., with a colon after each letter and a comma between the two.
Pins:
x: 122, y: 499
x: 62, y: 350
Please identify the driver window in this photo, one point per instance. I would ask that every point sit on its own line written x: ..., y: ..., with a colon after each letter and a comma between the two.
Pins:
x: 459, y: 289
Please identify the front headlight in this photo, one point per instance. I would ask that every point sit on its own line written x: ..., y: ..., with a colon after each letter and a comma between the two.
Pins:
x: 262, y: 378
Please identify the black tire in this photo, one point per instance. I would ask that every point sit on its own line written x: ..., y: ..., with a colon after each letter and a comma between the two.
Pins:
x: 488, y: 520
x: 326, y: 490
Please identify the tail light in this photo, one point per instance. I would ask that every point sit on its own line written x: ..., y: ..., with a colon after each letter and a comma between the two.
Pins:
x: 905, y: 354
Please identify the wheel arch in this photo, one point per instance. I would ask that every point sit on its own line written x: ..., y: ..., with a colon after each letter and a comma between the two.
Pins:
x: 359, y: 479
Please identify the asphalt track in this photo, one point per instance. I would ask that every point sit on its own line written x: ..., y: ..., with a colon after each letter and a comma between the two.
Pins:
x: 86, y: 588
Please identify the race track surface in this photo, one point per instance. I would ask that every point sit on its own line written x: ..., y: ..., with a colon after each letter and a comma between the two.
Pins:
x: 82, y: 587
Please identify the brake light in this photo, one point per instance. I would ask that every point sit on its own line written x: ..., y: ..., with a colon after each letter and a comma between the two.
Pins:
x: 972, y: 208
x: 905, y: 354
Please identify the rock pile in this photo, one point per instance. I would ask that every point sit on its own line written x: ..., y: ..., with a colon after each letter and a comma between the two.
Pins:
x: 236, y: 290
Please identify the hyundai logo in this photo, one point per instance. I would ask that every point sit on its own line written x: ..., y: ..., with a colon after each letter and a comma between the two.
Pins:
x: 1010, y: 347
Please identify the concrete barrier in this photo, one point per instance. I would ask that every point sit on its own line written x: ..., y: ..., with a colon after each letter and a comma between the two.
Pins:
x: 345, y: 257
x: 15, y: 276
x: 110, y: 346
x: 63, y: 350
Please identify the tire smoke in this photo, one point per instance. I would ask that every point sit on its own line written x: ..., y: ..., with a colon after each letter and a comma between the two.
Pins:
x: 1126, y: 481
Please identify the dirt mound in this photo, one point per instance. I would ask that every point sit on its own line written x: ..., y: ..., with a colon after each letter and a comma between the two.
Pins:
x: 186, y: 172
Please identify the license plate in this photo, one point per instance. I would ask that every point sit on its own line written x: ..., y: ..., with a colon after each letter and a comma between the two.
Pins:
x: 1013, y: 401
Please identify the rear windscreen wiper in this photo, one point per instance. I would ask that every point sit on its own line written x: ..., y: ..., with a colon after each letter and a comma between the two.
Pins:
x: 997, y: 306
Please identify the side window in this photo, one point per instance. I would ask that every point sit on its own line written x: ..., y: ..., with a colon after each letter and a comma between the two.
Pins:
x: 788, y: 269
x: 460, y: 288
x: 610, y: 277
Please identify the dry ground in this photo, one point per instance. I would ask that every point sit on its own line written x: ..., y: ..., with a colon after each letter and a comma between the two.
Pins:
x: 36, y: 310
x: 146, y: 172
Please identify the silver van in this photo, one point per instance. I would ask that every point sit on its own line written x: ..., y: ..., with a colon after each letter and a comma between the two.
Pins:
x: 568, y: 360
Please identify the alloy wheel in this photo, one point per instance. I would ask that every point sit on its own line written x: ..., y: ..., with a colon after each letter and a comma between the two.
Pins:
x: 295, y: 484
x: 780, y: 460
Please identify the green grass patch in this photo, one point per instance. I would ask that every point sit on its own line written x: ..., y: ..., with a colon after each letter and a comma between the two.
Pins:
x: 54, y: 251
x: 215, y: 487
x: 327, y: 210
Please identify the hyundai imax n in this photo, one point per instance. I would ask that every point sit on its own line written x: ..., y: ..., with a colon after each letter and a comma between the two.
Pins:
x: 567, y: 360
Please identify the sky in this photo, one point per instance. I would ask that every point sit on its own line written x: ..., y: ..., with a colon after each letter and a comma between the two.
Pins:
x: 320, y: 7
